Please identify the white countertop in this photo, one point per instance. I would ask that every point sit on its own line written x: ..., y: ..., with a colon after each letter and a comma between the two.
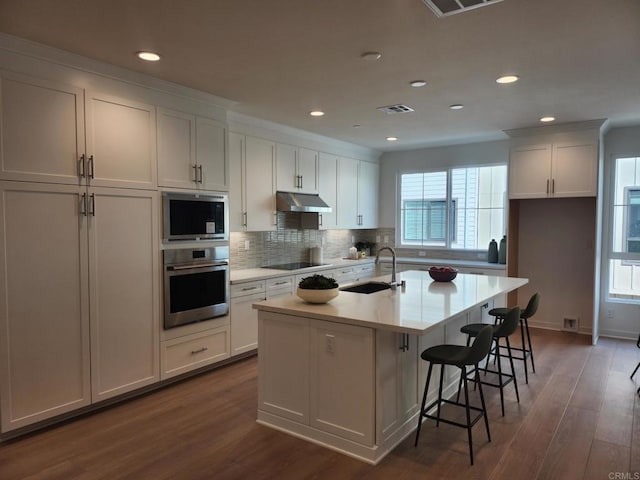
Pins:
x: 420, y: 306
x: 250, y: 274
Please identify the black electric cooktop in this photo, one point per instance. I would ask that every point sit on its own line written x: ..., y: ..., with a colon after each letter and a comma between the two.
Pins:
x: 293, y: 265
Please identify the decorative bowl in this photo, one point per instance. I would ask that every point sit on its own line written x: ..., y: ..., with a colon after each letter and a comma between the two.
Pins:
x: 440, y: 275
x: 317, y: 296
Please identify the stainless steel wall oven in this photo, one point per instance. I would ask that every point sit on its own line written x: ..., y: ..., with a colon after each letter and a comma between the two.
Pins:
x: 196, y: 285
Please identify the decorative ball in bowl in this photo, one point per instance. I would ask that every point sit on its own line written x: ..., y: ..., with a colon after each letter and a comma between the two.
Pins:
x: 443, y: 274
x: 317, y: 289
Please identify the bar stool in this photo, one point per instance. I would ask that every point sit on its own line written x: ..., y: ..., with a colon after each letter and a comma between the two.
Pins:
x: 461, y: 357
x: 637, y: 366
x: 528, y: 312
x: 502, y: 330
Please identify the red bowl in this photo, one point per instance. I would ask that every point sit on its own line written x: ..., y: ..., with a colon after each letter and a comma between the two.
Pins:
x: 442, y: 276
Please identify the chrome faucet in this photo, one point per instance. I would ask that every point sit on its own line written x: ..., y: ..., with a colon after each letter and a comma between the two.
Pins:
x: 393, y: 283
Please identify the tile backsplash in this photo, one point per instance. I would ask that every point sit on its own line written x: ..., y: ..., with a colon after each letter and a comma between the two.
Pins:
x: 287, y: 244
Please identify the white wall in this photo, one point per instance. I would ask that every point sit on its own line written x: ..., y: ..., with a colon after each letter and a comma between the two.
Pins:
x: 392, y: 163
x: 616, y: 319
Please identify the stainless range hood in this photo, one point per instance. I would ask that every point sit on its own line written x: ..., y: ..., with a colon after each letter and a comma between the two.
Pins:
x: 300, y: 202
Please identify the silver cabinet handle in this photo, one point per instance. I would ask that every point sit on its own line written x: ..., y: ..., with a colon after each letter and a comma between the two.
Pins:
x: 92, y: 204
x: 404, y: 342
x: 195, y: 173
x: 281, y: 283
x: 81, y: 166
x: 320, y: 219
x: 200, y: 172
x: 553, y: 185
x: 246, y: 289
x: 547, y: 186
x: 91, y: 171
x: 275, y: 218
x: 200, y: 265
x: 244, y: 219
x: 200, y: 350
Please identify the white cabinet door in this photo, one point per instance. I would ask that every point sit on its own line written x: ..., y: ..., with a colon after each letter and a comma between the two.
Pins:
x: 286, y: 174
x: 574, y: 170
x: 342, y: 385
x: 368, y: 174
x: 283, y: 363
x: 347, y: 193
x: 211, y: 154
x: 308, y: 170
x: 42, y: 130
x: 244, y: 323
x: 176, y: 149
x: 44, y: 300
x: 327, y: 188
x: 124, y: 280
x: 530, y: 171
x: 121, y: 142
x: 258, y: 183
x: 236, y: 160
x: 398, y: 386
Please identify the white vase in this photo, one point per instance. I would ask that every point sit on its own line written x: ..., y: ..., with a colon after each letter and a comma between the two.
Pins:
x: 317, y: 296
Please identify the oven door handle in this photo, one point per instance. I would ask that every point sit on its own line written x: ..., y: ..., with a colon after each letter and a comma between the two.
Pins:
x: 200, y: 265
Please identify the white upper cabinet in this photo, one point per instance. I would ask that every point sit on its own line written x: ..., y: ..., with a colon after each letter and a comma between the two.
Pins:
x: 327, y: 188
x: 121, y: 142
x: 368, y: 176
x: 57, y: 133
x: 192, y: 151
x: 357, y: 207
x: 252, y: 193
x: 567, y: 169
x: 42, y: 130
x: 347, y: 193
x: 296, y: 169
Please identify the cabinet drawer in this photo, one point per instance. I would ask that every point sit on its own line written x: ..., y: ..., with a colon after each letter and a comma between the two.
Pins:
x: 280, y: 283
x: 247, y: 288
x: 183, y: 354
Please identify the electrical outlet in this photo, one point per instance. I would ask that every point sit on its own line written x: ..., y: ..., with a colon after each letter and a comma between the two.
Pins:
x: 329, y: 344
x: 377, y: 238
x: 386, y: 239
x: 609, y: 312
x: 247, y: 244
x: 422, y: 253
x: 353, y: 239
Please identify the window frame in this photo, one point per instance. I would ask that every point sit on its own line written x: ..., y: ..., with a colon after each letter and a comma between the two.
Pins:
x: 452, y: 238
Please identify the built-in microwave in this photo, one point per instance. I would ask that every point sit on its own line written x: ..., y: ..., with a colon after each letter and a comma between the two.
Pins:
x: 195, y: 216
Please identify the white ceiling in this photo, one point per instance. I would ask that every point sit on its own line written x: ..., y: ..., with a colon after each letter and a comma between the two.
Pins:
x: 279, y: 59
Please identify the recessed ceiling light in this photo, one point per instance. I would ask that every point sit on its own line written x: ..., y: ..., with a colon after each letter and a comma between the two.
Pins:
x: 371, y: 56
x: 392, y: 139
x: 456, y: 106
x: 316, y: 113
x: 547, y: 119
x: 418, y: 83
x: 507, y: 79
x: 356, y: 125
x: 148, y: 56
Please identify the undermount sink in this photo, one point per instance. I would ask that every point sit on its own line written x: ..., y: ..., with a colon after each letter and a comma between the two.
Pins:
x: 369, y: 287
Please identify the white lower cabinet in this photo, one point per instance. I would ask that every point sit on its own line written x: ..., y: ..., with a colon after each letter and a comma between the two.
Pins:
x: 319, y: 374
x: 183, y: 354
x: 75, y: 261
x: 244, y: 319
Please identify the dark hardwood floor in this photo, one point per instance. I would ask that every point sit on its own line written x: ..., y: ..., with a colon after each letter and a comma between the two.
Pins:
x: 577, y: 418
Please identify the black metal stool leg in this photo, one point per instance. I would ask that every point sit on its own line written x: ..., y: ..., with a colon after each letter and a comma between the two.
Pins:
x: 513, y: 370
x: 635, y: 370
x: 533, y: 365
x: 500, y: 375
x: 484, y: 407
x: 466, y: 402
x: 424, y: 402
x: 440, y: 395
x: 524, y: 352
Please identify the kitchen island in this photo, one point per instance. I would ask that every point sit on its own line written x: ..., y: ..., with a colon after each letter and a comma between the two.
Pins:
x: 348, y: 374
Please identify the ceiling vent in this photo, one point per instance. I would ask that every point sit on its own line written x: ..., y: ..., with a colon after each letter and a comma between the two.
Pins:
x: 391, y: 109
x: 443, y: 8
